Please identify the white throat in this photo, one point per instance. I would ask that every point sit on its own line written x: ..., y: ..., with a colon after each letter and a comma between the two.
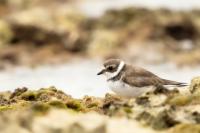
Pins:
x: 120, y: 67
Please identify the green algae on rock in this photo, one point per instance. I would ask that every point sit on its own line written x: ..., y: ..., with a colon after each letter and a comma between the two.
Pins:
x: 155, y: 111
x: 75, y: 105
x: 57, y: 104
x: 40, y: 100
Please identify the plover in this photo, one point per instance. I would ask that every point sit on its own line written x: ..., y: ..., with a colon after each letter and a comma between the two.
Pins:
x: 131, y: 81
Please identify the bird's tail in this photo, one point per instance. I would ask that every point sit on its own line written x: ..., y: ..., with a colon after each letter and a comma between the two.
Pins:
x: 170, y: 82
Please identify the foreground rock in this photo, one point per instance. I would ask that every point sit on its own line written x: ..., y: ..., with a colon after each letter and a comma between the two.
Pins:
x: 50, y: 110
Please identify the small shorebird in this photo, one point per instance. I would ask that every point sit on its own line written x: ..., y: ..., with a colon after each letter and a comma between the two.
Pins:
x: 131, y: 81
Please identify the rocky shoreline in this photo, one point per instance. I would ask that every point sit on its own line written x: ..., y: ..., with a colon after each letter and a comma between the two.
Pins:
x: 51, y: 110
x: 25, y: 37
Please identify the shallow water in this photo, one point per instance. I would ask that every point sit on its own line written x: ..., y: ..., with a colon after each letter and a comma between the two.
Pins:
x: 79, y: 78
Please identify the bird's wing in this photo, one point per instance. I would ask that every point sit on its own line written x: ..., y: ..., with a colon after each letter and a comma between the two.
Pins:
x: 140, y: 77
x: 142, y: 81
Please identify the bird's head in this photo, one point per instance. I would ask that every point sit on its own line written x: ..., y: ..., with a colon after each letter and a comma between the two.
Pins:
x: 112, y: 68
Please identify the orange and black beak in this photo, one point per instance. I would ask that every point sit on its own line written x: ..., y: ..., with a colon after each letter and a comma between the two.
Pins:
x: 101, y: 72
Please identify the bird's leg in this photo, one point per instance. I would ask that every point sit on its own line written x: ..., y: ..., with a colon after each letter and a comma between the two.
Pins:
x: 160, y: 89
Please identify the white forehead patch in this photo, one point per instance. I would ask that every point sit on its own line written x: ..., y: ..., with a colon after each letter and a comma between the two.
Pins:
x: 112, y: 75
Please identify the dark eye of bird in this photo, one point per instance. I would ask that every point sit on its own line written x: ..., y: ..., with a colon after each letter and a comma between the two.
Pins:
x: 110, y: 68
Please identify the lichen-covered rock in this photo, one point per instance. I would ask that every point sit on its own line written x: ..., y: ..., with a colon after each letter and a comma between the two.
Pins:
x: 157, y: 111
x: 195, y: 85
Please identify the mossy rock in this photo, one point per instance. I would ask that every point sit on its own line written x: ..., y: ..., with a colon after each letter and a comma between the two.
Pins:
x: 51, y: 88
x: 75, y: 105
x: 18, y: 92
x: 145, y: 118
x: 92, y: 102
x: 195, y: 85
x: 128, y: 110
x: 46, y: 94
x: 196, y: 116
x: 3, y: 100
x: 163, y: 120
x: 92, y: 105
x: 40, y: 107
x: 49, y: 91
x: 19, y: 105
x: 179, y: 100
x: 57, y: 104
x: 186, y: 128
x: 114, y: 105
x: 29, y: 96
x: 195, y: 98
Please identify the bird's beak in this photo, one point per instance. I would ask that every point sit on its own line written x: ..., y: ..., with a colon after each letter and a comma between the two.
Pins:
x: 101, y: 72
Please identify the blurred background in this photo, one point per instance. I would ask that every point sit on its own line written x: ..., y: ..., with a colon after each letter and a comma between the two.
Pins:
x: 63, y: 43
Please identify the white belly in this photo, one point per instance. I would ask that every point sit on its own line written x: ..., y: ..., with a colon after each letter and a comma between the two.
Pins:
x: 125, y: 90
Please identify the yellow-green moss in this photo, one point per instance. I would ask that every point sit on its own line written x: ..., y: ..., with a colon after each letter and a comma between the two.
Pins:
x: 40, y: 107
x: 29, y: 96
x: 128, y: 110
x: 92, y: 105
x: 5, y: 108
x: 159, y: 117
x: 76, y: 105
x: 49, y: 89
x: 92, y: 102
x: 179, y: 100
x: 46, y: 91
x: 57, y: 104
x: 19, y: 105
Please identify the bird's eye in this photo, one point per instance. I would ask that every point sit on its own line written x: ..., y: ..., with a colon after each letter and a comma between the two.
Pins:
x: 110, y: 68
